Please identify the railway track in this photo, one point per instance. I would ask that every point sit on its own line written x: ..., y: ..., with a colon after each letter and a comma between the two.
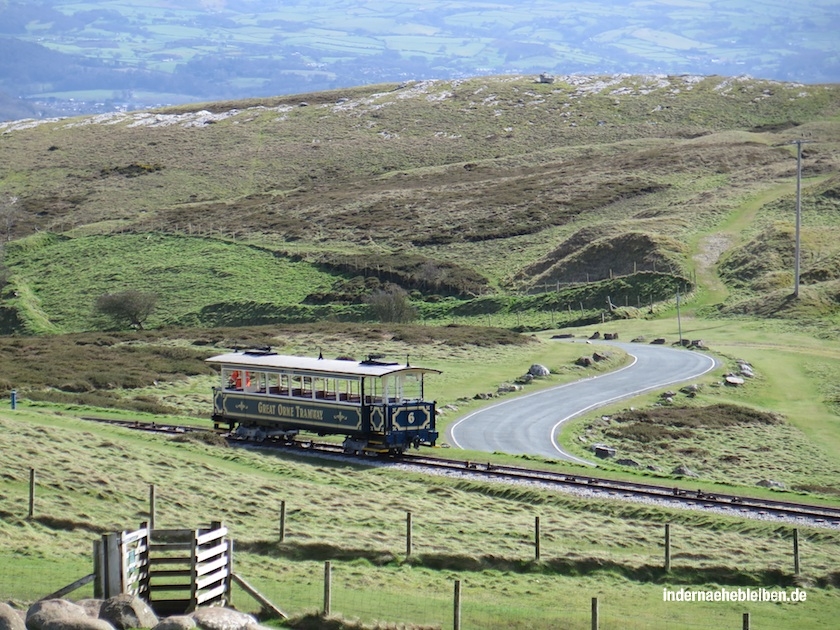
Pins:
x: 672, y: 495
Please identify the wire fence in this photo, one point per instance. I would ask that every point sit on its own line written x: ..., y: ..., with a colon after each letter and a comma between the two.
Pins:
x: 446, y: 601
x: 533, y: 592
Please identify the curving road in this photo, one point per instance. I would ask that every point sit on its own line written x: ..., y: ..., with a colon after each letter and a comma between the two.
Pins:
x: 528, y: 424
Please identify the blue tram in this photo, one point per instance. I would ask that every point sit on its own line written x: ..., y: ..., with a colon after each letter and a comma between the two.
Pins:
x: 377, y: 406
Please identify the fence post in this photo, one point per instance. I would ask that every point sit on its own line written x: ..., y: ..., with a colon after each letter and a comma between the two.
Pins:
x: 113, y: 565
x: 667, y: 547
x: 327, y: 587
x: 537, y: 538
x: 745, y: 623
x: 408, y: 534
x: 282, y: 521
x: 194, y: 571
x: 229, y: 578
x: 152, y: 506
x: 98, y: 569
x: 31, y: 492
x: 594, y: 613
x: 456, y: 617
x: 796, y: 552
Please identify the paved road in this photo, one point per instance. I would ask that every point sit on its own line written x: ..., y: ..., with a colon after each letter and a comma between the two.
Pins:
x: 528, y: 424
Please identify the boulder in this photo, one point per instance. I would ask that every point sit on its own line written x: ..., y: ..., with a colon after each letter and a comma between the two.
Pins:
x: 584, y: 362
x: 627, y: 461
x: 684, y: 471
x: 176, y: 622
x: 538, y: 370
x: 659, y: 341
x: 59, y: 614
x: 600, y: 356
x: 10, y: 619
x: 127, y: 611
x: 91, y: 606
x: 603, y: 451
x: 215, y: 618
x: 506, y: 388
x: 595, y: 335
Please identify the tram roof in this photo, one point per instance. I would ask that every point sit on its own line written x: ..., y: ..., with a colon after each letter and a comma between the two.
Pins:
x: 312, y: 365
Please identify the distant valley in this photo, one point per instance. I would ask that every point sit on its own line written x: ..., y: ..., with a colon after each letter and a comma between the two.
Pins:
x: 66, y: 58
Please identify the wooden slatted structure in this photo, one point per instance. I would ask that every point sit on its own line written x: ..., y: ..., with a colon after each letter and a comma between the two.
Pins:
x: 174, y: 570
x: 189, y: 568
x: 122, y: 563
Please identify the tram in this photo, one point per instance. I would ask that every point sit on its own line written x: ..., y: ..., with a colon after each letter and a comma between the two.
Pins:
x: 378, y: 406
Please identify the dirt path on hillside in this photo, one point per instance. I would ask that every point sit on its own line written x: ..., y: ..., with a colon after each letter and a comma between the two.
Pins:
x: 712, y: 246
x: 710, y: 249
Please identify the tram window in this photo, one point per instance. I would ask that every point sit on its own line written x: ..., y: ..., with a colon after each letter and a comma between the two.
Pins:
x: 297, y: 385
x: 273, y: 384
x: 326, y: 388
x: 232, y: 379
x: 374, y: 393
x: 348, y: 390
x: 307, y: 389
x: 412, y: 387
x: 252, y: 381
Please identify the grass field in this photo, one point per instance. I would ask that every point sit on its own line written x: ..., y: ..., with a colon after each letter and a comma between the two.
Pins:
x: 354, y: 516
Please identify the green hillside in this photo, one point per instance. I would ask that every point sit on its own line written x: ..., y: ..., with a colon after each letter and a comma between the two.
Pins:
x: 450, y: 189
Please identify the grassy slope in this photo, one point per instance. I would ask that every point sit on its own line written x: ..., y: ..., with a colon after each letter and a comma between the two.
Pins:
x: 186, y: 273
x: 494, y: 174
x: 481, y: 537
x: 796, y: 372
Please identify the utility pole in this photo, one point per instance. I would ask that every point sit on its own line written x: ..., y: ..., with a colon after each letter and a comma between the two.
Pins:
x: 679, y: 322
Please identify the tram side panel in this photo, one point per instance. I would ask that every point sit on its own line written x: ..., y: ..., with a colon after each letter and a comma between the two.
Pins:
x: 394, y: 426
x: 412, y: 424
x: 232, y: 407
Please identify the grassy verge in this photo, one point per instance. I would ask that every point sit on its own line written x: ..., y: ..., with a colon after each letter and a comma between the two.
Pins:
x: 794, y: 376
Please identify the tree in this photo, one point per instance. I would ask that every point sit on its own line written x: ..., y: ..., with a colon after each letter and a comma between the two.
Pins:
x: 128, y: 307
x: 391, y: 304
